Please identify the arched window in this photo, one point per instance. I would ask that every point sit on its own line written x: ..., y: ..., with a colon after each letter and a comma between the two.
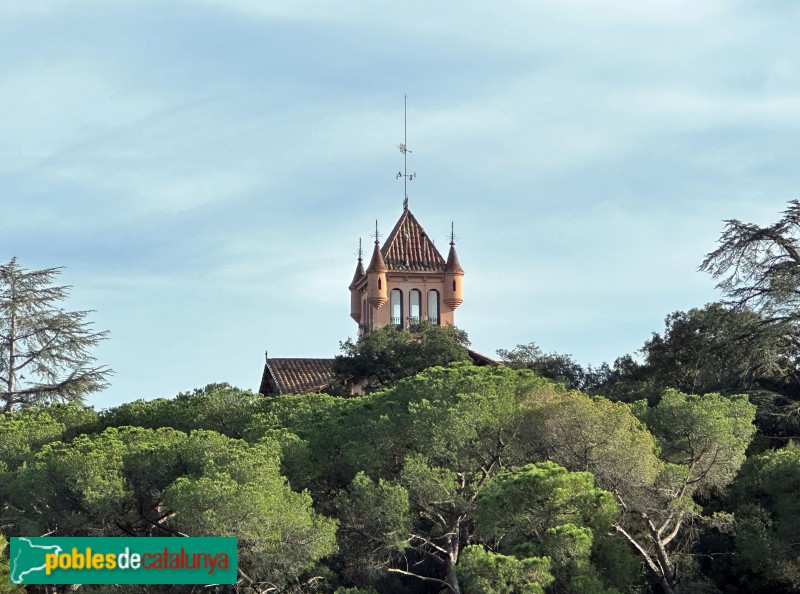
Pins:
x: 414, y: 306
x: 433, y: 306
x: 454, y: 284
x: 397, y: 308
x: 379, y: 284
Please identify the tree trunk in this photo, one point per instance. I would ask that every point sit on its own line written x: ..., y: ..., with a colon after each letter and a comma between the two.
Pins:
x: 12, y: 335
x: 451, y: 578
x: 453, y: 548
x: 666, y: 586
x: 668, y: 575
x: 661, y: 567
x: 12, y: 352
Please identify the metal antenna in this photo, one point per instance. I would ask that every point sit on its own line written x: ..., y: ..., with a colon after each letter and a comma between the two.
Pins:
x: 452, y: 234
x: 377, y: 236
x: 360, y: 251
x: 407, y: 177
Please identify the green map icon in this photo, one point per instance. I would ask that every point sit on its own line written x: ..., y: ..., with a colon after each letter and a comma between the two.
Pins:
x: 123, y: 560
x: 27, y: 558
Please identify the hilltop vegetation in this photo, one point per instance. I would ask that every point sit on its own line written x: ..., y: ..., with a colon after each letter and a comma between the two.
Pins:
x: 461, y: 478
x: 673, y: 471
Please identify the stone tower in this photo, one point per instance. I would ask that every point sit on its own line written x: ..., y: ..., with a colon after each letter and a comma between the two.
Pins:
x: 407, y: 280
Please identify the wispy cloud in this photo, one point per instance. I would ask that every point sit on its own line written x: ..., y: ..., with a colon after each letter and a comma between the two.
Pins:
x: 205, y: 169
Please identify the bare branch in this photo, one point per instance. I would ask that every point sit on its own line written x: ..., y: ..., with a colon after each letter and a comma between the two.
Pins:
x: 421, y: 577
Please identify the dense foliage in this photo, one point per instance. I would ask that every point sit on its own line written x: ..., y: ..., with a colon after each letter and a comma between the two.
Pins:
x: 538, y: 476
x: 459, y: 479
x: 382, y: 357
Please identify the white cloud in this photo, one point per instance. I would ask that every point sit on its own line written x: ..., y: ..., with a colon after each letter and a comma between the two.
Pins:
x: 50, y: 109
x: 20, y: 8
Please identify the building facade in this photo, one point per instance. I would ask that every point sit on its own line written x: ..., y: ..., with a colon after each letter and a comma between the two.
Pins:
x: 407, y: 281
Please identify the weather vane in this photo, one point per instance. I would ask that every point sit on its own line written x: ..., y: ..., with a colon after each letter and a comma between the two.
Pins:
x: 376, y: 235
x: 407, y: 177
x: 360, y: 251
x: 452, y: 234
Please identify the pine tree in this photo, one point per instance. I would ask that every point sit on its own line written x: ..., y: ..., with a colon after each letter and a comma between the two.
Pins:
x: 44, y: 350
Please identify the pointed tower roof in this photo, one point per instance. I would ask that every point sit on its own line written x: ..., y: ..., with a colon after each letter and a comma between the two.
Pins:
x: 377, y: 264
x: 452, y: 265
x: 408, y: 247
x: 359, y: 274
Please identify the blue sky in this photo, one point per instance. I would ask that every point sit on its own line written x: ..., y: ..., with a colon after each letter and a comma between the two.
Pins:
x: 203, y: 170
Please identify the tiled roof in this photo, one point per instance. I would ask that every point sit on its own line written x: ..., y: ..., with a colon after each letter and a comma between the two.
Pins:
x: 408, y: 247
x: 377, y: 264
x: 296, y: 376
x: 359, y: 274
x: 307, y: 376
x: 481, y: 360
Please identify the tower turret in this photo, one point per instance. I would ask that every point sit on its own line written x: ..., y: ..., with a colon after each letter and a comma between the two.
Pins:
x: 453, y: 278
x: 377, y: 293
x: 355, y: 297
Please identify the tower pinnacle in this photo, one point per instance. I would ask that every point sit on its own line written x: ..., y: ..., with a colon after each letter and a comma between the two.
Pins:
x: 407, y: 177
